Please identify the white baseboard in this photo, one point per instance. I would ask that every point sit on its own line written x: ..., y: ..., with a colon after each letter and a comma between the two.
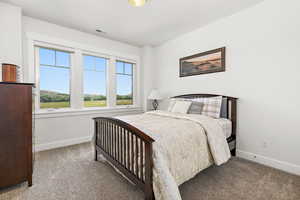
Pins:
x: 284, y: 166
x: 62, y: 143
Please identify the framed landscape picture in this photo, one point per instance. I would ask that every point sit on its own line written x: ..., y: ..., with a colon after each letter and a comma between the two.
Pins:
x: 203, y: 63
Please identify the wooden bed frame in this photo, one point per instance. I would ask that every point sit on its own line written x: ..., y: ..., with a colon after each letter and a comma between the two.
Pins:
x: 121, y: 143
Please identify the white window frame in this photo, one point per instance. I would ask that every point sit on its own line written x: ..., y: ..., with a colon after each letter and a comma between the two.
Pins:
x: 134, y: 82
x: 37, y: 76
x: 31, y: 74
x: 107, y: 77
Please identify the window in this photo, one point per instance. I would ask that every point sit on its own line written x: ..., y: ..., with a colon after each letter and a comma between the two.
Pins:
x: 54, y: 78
x: 72, y: 78
x: 94, y: 81
x: 124, y: 75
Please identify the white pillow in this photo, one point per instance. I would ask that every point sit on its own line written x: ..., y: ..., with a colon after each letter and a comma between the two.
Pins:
x: 181, y: 106
x: 172, y: 102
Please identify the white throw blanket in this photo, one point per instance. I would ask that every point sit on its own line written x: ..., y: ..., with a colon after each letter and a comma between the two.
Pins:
x: 184, y: 145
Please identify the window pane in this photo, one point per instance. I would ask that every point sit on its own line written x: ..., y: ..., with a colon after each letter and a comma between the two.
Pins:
x: 88, y: 62
x: 54, y: 87
x: 100, y: 64
x: 47, y: 56
x: 124, y: 90
x: 128, y: 68
x: 62, y: 59
x: 95, y: 83
x: 120, y: 67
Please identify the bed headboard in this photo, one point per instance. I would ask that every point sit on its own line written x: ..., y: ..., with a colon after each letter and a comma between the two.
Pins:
x: 229, y: 103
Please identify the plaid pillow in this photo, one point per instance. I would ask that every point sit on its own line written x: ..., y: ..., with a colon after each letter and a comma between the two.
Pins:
x: 196, y: 108
x: 211, y: 106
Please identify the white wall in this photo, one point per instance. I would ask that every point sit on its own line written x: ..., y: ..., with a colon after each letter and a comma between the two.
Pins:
x: 60, y: 129
x: 148, y: 74
x: 262, y: 70
x: 10, y: 35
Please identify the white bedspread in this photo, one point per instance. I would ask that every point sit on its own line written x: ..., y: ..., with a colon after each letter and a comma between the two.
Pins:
x: 184, y: 145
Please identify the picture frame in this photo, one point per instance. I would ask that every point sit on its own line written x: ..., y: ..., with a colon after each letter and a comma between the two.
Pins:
x: 203, y: 63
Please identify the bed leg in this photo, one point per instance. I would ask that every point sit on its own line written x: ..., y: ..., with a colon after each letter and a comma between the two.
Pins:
x: 233, y: 152
x: 149, y: 195
x: 96, y: 154
x: 30, y: 180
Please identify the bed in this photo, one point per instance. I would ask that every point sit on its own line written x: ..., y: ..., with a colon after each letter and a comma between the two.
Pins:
x: 140, y: 148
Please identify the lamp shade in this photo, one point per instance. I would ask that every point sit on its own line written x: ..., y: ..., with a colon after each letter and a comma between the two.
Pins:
x: 154, y: 95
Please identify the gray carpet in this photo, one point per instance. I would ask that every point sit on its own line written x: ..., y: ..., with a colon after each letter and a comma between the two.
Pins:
x: 70, y: 173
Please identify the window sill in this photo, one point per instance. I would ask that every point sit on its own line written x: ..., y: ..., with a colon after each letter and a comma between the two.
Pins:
x: 40, y: 114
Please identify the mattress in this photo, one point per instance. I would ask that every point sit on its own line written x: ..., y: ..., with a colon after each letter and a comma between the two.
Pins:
x: 226, y: 125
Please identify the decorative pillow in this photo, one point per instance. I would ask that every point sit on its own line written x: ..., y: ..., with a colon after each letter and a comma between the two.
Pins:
x: 211, y: 106
x: 181, y: 106
x: 172, y: 102
x: 196, y: 108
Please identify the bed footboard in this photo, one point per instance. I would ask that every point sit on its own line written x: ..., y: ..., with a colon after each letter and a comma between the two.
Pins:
x: 128, y: 149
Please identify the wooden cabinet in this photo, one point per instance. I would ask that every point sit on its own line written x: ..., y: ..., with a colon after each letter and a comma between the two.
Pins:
x: 16, y: 128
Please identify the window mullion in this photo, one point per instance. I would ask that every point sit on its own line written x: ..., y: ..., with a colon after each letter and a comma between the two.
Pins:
x: 77, y: 80
x: 55, y: 62
x: 135, y: 85
x: 111, y: 82
x: 123, y: 67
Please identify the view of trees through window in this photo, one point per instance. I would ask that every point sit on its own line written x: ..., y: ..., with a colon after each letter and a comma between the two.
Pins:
x: 54, y: 78
x: 124, y: 75
x: 94, y: 81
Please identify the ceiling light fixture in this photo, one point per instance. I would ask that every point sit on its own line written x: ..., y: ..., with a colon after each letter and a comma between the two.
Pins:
x: 137, y: 3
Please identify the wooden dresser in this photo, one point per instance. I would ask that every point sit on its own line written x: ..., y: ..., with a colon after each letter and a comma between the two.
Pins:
x: 16, y: 133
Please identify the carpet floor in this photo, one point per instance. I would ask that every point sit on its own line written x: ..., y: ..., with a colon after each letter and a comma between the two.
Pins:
x: 70, y: 173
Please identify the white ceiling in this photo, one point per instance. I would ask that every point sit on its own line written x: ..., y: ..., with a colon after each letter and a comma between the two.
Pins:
x: 153, y: 24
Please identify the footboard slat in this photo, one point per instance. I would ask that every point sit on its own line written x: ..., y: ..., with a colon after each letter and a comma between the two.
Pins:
x: 102, y: 130
x: 118, y: 146
x: 132, y: 154
x: 106, y: 132
x: 105, y: 136
x: 128, y: 149
x: 115, y: 140
x: 141, y: 160
x: 123, y: 148
x: 111, y: 139
x: 137, y: 156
